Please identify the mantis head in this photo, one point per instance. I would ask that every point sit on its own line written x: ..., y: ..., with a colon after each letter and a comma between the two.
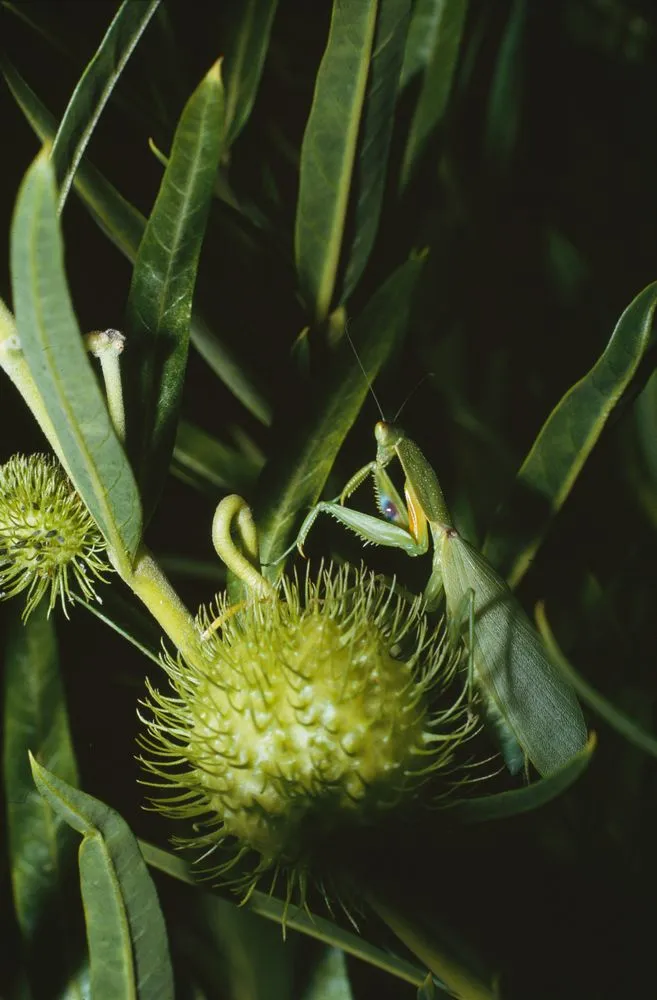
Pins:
x: 387, y: 437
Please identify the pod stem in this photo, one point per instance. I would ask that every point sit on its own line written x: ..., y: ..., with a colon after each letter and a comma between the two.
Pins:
x: 148, y: 582
x: 107, y: 346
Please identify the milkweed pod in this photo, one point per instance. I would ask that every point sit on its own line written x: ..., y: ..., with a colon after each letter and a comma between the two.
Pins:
x: 511, y: 667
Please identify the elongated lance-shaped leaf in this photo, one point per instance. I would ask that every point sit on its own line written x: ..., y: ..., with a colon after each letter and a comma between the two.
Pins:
x: 422, y: 28
x: 164, y: 276
x: 503, y: 118
x: 201, y: 459
x: 458, y: 969
x: 295, y: 918
x: 511, y: 667
x: 627, y: 727
x: 370, y: 166
x: 294, y: 484
x: 94, y: 89
x: 484, y: 808
x: 244, y: 56
x: 328, y: 151
x: 41, y: 848
x: 124, y: 225
x: 126, y: 934
x: 447, y: 27
x: 53, y: 347
x: 566, y: 440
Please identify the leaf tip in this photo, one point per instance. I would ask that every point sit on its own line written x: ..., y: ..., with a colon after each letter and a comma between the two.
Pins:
x: 214, y: 73
x: 35, y: 767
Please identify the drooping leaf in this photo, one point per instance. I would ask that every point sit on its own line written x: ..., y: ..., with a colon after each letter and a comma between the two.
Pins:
x: 124, y: 225
x: 601, y: 706
x: 370, y: 167
x: 295, y: 482
x: 523, y: 690
x: 328, y: 151
x: 566, y: 440
x: 521, y: 800
x: 128, y: 950
x: 160, y: 301
x: 52, y: 344
x: 94, y: 89
x: 41, y: 848
x: 446, y: 26
x: 244, y: 56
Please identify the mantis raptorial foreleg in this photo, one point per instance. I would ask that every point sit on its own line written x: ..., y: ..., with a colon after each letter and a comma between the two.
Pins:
x: 533, y: 707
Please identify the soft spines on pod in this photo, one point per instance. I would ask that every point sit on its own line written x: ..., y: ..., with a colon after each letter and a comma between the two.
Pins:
x: 308, y: 714
x: 49, y: 543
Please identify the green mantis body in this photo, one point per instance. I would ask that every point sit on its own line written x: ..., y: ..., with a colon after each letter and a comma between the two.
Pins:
x: 527, y: 698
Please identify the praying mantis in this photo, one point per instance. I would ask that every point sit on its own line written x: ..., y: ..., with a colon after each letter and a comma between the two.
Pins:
x: 532, y: 706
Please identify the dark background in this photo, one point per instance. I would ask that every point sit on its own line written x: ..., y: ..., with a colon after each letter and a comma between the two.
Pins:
x: 542, y: 226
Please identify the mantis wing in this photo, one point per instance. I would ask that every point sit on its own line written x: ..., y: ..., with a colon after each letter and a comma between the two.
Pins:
x: 511, y: 666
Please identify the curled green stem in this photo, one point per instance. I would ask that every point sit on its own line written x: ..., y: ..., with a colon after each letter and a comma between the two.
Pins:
x: 234, y: 514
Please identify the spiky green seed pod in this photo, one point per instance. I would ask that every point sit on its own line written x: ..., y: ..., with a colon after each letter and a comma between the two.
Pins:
x: 48, y: 540
x: 307, y: 715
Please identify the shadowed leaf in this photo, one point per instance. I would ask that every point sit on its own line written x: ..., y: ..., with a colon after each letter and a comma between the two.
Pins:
x: 566, y: 440
x: 94, y: 89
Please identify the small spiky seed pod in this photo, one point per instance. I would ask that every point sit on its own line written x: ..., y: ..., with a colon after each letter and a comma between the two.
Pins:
x: 308, y: 716
x: 48, y: 540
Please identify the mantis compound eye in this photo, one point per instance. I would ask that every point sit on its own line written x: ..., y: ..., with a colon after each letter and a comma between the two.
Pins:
x: 389, y: 509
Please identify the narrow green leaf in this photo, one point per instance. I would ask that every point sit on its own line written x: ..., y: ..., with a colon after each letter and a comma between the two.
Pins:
x: 235, y: 947
x: 458, y: 970
x: 566, y: 440
x: 422, y: 29
x: 503, y: 118
x: 94, y: 89
x: 296, y: 919
x: 244, y: 56
x: 330, y: 978
x: 127, y: 939
x: 124, y: 226
x: 520, y: 800
x: 328, y: 151
x: 160, y: 301
x: 531, y: 701
x: 370, y: 166
x: 295, y: 482
x: 605, y: 709
x: 447, y: 31
x: 201, y: 459
x: 54, y: 350
x: 41, y: 848
x: 108, y: 931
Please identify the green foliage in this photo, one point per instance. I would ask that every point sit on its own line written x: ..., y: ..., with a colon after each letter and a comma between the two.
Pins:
x: 355, y: 193
x: 49, y: 336
x: 128, y: 953
x: 159, y: 305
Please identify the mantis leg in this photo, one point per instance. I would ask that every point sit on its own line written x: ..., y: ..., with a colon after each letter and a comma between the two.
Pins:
x: 358, y: 478
x: 366, y: 526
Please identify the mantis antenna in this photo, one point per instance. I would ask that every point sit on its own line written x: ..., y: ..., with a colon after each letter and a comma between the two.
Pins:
x: 362, y: 368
